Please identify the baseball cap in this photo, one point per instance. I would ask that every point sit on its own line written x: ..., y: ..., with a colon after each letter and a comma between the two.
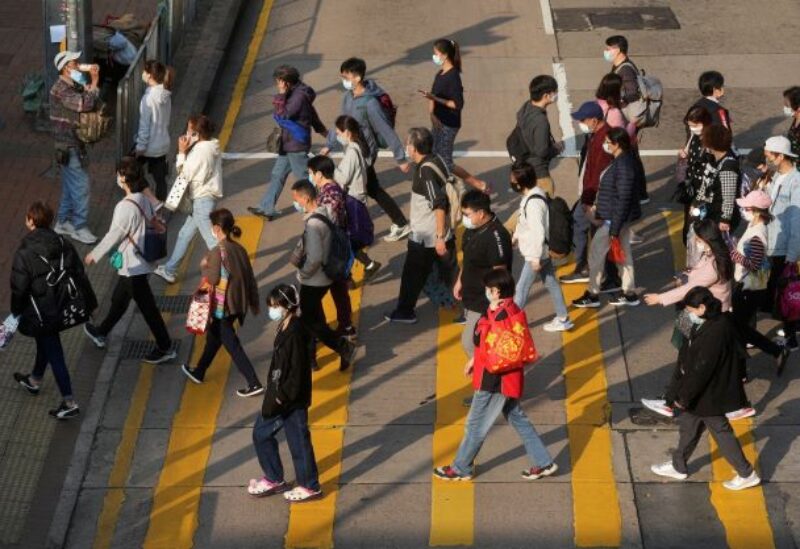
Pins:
x: 779, y: 145
x: 64, y: 57
x: 755, y: 199
x: 590, y: 109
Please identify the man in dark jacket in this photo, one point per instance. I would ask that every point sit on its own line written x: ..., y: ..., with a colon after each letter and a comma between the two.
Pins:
x: 616, y: 208
x: 535, y: 128
x: 711, y: 385
x: 296, y: 116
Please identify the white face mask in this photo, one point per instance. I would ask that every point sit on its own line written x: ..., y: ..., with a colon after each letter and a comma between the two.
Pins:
x: 276, y: 313
x: 787, y: 111
x: 554, y: 97
x: 347, y: 84
x: 489, y: 296
x: 584, y: 128
x: 341, y: 139
x: 747, y: 215
x: 607, y: 148
x: 696, y: 130
x: 145, y: 78
x: 437, y: 60
x: 120, y: 182
x: 609, y: 55
x: 408, y: 153
x: 701, y: 247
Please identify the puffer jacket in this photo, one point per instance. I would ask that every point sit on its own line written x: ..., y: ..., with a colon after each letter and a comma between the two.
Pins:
x: 28, y: 278
x: 297, y: 105
x: 617, y: 200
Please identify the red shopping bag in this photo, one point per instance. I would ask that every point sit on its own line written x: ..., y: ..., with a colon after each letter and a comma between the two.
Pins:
x: 505, y: 345
x: 789, y: 293
x: 615, y: 252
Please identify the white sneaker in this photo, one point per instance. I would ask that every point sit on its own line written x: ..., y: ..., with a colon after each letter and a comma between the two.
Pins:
x: 161, y: 271
x: 658, y: 406
x: 741, y: 413
x: 84, y: 236
x: 739, y: 483
x: 666, y: 469
x: 64, y: 228
x: 396, y: 233
x: 559, y: 325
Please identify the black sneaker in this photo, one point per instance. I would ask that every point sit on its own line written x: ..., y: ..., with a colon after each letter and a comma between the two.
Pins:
x: 65, y: 411
x: 625, y: 300
x: 395, y: 316
x: 576, y: 277
x: 780, y: 359
x: 347, y: 355
x: 91, y: 331
x: 25, y: 381
x: 371, y: 270
x: 192, y: 374
x: 252, y: 390
x: 460, y: 319
x: 587, y: 301
x: 610, y: 286
x: 259, y: 212
x: 157, y: 356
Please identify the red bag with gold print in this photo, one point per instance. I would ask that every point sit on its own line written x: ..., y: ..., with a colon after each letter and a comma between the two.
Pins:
x: 505, y: 345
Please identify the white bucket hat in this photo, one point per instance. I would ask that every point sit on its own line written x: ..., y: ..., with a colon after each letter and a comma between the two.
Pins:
x: 779, y: 145
x: 65, y: 57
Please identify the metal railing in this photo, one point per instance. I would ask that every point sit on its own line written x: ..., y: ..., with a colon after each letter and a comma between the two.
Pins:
x: 160, y: 42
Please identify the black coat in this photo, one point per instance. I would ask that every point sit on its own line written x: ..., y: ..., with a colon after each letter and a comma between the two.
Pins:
x: 289, y: 375
x: 712, y: 363
x: 28, y: 273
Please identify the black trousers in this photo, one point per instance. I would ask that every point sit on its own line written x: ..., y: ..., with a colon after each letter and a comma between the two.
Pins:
x: 222, y: 332
x: 692, y: 427
x: 384, y: 200
x: 417, y: 268
x: 777, y: 263
x: 313, y: 317
x: 138, y: 289
x: 158, y: 170
x: 746, y: 304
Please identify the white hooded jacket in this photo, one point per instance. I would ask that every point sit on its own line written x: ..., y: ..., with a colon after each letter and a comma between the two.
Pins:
x: 155, y: 110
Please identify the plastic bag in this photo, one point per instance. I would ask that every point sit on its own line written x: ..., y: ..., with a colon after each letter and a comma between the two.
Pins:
x: 7, y: 330
x: 615, y: 252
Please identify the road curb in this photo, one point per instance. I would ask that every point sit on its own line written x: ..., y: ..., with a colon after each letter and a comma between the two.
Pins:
x: 193, y: 95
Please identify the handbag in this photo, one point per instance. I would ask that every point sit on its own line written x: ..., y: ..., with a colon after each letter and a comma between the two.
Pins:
x: 7, y: 330
x: 116, y: 260
x: 199, y: 315
x: 274, y: 140
x: 505, y: 345
x: 177, y: 194
x: 789, y: 293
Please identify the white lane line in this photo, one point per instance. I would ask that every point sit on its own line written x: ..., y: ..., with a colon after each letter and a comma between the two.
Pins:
x: 564, y: 110
x: 547, y: 16
x: 458, y: 154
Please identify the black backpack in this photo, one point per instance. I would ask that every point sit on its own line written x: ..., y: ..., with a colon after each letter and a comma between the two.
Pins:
x: 515, y: 145
x: 559, y: 239
x: 340, y: 258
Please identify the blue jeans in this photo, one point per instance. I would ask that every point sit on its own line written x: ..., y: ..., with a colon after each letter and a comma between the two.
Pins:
x: 547, y: 274
x: 482, y: 413
x: 295, y: 163
x: 198, y: 220
x: 49, y: 351
x: 74, y: 206
x: 298, y: 437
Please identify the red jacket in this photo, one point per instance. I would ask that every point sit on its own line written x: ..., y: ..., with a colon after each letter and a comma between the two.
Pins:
x: 511, y: 383
x: 596, y: 160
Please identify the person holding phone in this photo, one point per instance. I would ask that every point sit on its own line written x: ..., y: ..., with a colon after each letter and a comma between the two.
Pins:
x: 445, y: 103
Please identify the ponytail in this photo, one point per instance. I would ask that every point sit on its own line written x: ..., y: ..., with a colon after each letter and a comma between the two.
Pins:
x: 451, y: 49
x: 161, y: 73
x: 346, y: 123
x: 223, y: 218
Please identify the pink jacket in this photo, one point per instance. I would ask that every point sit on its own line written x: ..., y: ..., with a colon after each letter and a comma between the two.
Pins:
x: 616, y: 119
x: 704, y: 273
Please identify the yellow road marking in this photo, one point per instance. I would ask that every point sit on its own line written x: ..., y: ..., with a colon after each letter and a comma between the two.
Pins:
x: 595, y: 501
x: 311, y: 524
x: 176, y: 499
x: 743, y: 514
x: 244, y: 76
x: 452, y: 503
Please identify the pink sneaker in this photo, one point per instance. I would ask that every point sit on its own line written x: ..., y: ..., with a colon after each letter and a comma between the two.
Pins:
x: 741, y: 413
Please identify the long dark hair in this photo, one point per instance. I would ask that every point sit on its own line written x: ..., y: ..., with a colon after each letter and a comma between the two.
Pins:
x: 161, y: 73
x: 709, y: 232
x: 346, y: 123
x: 451, y: 49
x: 223, y: 218
x: 700, y: 295
x: 610, y: 90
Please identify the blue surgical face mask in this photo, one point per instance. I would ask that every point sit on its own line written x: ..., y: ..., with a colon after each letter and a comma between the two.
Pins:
x: 341, y: 139
x: 78, y: 76
x: 696, y: 319
x: 310, y: 178
x: 609, y: 55
x: 437, y: 60
x: 276, y: 313
x: 298, y: 207
x: 467, y: 222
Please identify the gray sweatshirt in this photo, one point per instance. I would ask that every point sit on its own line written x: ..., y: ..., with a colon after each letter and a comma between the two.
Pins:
x: 127, y: 220
x: 316, y: 241
x: 155, y: 110
x: 539, y: 141
x: 351, y: 173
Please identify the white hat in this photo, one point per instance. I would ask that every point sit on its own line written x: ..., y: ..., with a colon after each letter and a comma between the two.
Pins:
x: 779, y: 145
x: 65, y: 57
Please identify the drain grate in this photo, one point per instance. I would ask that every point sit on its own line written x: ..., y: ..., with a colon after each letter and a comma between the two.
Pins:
x: 587, y: 19
x: 137, y: 349
x: 173, y: 303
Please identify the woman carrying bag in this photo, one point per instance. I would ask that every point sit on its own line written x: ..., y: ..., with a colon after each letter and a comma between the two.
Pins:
x: 286, y: 403
x: 126, y: 236
x: 40, y: 250
x: 500, y: 392
x: 228, y: 274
